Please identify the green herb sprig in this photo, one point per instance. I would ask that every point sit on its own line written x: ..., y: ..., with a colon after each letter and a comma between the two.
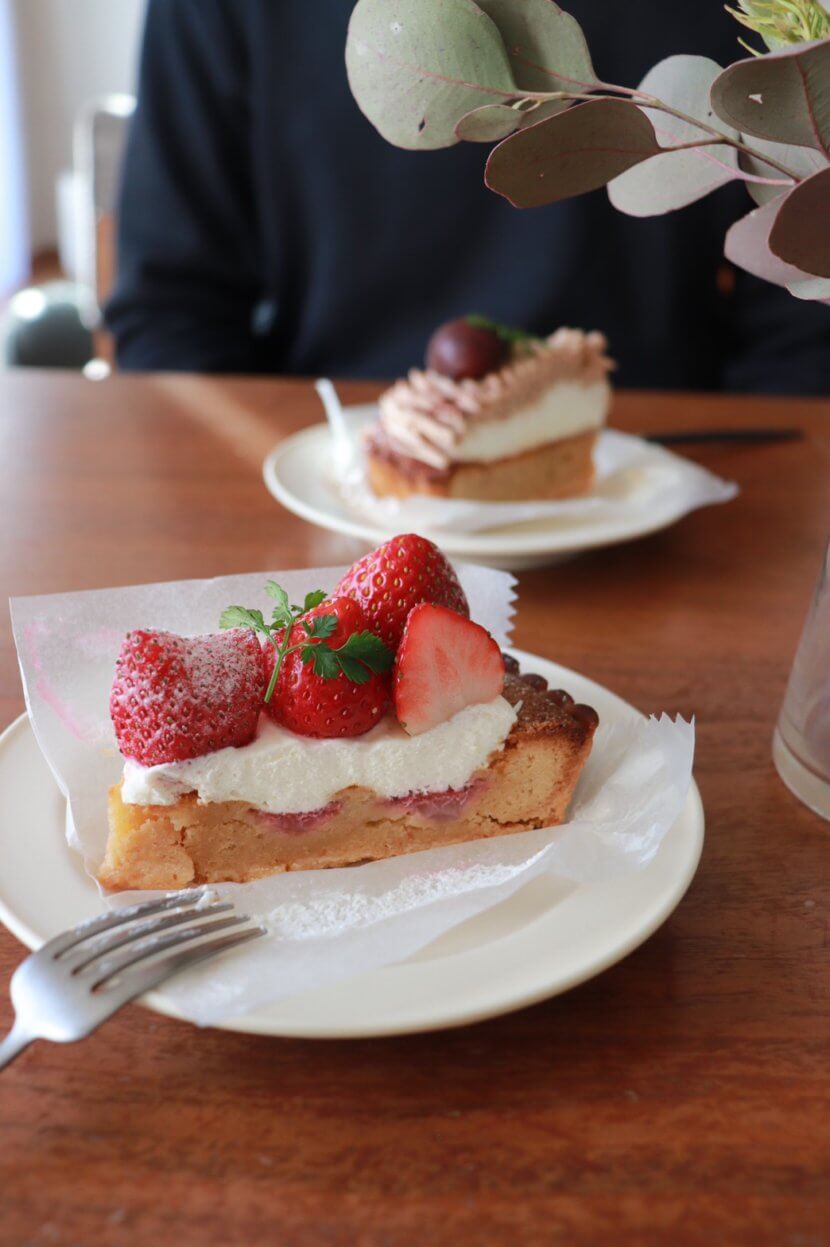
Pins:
x: 359, y: 657
x: 782, y: 22
x: 507, y: 333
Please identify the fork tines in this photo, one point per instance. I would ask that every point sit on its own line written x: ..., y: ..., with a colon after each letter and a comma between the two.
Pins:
x: 145, y: 930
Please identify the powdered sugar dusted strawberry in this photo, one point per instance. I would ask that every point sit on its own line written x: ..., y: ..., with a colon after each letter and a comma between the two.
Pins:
x: 176, y: 697
x: 444, y: 663
x: 397, y: 576
x: 333, y: 676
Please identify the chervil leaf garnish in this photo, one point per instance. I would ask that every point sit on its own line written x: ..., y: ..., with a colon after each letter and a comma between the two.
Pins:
x: 352, y: 669
x: 283, y: 613
x: 324, y: 660
x: 361, y: 655
x: 370, y: 650
x: 241, y: 617
x: 277, y: 592
x: 321, y: 627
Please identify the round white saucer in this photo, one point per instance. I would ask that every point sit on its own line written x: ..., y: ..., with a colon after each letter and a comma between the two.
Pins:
x: 299, y: 474
x: 546, y: 938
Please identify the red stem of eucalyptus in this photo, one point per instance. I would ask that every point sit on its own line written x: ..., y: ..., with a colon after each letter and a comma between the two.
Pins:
x: 589, y: 90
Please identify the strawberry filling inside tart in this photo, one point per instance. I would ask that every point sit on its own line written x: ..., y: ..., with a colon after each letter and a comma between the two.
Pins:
x: 375, y: 722
x: 297, y: 824
x: 438, y: 805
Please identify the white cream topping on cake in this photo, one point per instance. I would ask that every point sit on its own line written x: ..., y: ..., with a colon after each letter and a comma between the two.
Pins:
x: 565, y: 410
x: 283, y: 773
x: 550, y: 389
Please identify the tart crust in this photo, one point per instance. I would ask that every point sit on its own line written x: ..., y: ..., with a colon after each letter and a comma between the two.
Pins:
x: 559, y: 469
x: 527, y: 784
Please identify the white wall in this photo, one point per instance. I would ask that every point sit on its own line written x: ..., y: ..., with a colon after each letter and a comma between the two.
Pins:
x: 70, y: 51
x: 14, y: 235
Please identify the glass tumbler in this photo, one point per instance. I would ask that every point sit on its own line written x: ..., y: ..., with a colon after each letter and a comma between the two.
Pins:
x: 801, y: 743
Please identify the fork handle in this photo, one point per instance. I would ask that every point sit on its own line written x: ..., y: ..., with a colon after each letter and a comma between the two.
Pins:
x: 14, y: 1043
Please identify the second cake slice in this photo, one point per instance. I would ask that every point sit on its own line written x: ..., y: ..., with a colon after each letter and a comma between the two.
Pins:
x: 523, y: 429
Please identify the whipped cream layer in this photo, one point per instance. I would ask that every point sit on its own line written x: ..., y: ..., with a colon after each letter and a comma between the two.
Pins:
x: 283, y: 773
x: 564, y: 411
x: 549, y: 389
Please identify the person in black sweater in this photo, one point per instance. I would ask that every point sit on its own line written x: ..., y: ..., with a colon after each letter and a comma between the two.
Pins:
x: 264, y: 226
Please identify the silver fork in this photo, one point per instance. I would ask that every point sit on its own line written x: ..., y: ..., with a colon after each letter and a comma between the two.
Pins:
x: 76, y: 981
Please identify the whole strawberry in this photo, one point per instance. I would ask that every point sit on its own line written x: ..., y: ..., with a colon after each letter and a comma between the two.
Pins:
x: 398, y: 575
x: 176, y: 697
x: 324, y: 686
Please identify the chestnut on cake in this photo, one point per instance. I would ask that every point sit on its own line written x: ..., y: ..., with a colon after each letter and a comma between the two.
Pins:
x: 497, y: 415
x: 376, y: 721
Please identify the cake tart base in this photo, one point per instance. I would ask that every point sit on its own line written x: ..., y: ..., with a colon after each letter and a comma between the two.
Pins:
x: 560, y: 469
x: 526, y: 785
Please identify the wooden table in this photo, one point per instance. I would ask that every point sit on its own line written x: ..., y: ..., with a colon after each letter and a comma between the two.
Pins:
x: 681, y: 1097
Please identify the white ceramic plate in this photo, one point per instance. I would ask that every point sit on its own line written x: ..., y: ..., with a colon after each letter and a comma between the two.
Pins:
x: 298, y: 472
x: 546, y: 938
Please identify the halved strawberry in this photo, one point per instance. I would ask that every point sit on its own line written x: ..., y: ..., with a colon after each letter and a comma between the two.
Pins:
x: 444, y: 663
x: 315, y: 705
x: 177, y: 697
x: 396, y: 576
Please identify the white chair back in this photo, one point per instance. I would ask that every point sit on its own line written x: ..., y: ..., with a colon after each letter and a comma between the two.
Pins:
x: 98, y: 147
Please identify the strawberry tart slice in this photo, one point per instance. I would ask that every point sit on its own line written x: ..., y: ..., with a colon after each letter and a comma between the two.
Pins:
x: 376, y: 721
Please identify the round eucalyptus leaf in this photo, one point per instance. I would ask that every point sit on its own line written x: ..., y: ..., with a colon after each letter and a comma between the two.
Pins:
x: 415, y: 67
x: 800, y: 234
x: 747, y: 246
x: 547, y: 48
x: 674, y: 179
x: 783, y: 96
x: 495, y: 121
x: 577, y: 151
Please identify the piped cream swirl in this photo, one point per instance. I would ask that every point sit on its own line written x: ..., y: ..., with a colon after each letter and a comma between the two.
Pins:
x: 426, y: 416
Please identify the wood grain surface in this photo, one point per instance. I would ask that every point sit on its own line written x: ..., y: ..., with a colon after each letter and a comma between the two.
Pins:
x: 681, y: 1097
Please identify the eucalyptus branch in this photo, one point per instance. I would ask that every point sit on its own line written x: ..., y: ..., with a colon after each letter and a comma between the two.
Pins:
x: 591, y: 91
x: 695, y: 143
x: 740, y: 174
x: 426, y: 92
x: 650, y: 101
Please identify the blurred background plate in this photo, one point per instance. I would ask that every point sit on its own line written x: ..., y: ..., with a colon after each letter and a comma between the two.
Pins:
x: 299, y: 472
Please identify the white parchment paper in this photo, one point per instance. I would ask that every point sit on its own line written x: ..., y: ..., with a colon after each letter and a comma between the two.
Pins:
x: 327, y: 926
x: 634, y: 479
